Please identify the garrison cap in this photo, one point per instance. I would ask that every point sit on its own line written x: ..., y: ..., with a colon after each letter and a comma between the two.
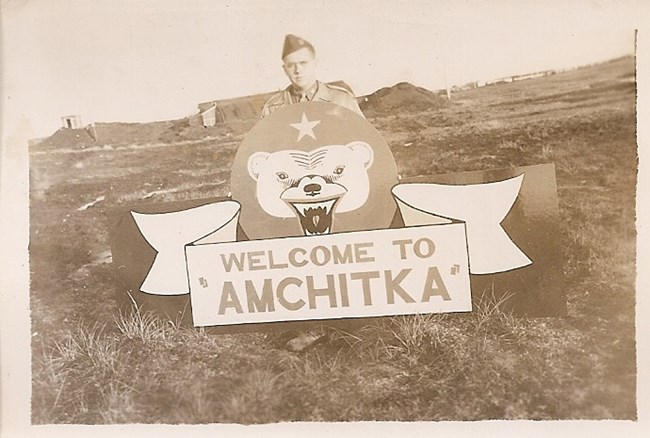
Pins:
x: 293, y: 43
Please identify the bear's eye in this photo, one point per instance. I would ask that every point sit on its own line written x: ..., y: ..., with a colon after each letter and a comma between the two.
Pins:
x: 339, y: 170
x: 282, y: 176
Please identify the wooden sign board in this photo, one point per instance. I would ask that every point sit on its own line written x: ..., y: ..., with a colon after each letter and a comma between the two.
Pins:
x: 318, y: 228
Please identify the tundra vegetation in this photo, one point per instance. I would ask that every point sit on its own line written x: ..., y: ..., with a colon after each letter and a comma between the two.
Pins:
x: 92, y: 364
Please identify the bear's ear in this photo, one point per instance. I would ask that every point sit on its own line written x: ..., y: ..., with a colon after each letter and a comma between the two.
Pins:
x: 363, y: 152
x: 255, y: 163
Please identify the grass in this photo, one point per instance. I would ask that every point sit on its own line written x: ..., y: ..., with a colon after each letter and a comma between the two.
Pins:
x: 92, y: 364
x: 206, y: 379
x: 408, y: 367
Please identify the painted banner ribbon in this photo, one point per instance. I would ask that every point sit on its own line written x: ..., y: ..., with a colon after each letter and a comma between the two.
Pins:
x: 481, y: 207
x: 169, y: 233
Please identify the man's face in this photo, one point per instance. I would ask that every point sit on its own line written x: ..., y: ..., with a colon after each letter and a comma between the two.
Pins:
x: 300, y: 67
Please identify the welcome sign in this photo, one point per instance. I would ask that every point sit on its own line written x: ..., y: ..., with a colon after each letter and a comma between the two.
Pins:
x: 370, y: 273
x: 319, y: 227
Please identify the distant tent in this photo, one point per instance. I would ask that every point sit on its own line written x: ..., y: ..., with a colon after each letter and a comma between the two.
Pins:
x: 209, y: 116
x: 73, y: 122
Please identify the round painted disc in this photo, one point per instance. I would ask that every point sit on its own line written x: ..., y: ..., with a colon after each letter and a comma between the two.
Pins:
x: 314, y: 150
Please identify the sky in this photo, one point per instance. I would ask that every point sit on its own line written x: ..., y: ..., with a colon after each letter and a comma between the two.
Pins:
x: 116, y: 60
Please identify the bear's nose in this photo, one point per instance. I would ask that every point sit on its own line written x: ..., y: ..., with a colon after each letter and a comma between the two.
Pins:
x: 312, y: 189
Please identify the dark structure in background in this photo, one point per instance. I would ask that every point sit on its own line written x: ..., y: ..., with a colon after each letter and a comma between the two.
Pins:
x: 238, y: 108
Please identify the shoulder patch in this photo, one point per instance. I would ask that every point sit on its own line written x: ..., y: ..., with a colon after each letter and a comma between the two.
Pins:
x: 339, y: 88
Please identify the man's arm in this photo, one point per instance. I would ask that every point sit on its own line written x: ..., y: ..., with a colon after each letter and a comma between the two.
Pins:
x: 341, y: 96
x: 276, y: 101
x: 354, y: 106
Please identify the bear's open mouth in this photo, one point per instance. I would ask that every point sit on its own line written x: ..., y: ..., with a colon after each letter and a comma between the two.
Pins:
x: 315, y: 217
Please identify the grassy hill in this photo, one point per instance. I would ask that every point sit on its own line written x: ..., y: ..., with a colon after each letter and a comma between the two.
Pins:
x: 90, y: 365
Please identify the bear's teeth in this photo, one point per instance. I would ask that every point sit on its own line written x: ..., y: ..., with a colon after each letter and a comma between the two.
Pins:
x: 308, y: 233
x: 325, y: 205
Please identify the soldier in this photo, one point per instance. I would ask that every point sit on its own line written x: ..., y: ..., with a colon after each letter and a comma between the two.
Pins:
x: 299, y: 64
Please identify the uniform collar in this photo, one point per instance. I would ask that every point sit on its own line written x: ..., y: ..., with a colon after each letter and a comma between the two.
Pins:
x: 310, y: 93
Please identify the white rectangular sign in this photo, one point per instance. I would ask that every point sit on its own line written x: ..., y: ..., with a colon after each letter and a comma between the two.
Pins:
x: 414, y: 270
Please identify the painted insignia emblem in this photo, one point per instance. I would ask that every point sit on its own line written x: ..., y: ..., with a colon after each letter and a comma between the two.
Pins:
x: 334, y: 175
x: 312, y: 185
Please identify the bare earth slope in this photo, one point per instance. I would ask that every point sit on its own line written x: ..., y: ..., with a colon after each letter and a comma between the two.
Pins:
x: 91, y: 366
x: 403, y: 98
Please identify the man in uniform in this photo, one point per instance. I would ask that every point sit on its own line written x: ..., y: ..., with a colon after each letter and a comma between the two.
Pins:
x: 299, y: 64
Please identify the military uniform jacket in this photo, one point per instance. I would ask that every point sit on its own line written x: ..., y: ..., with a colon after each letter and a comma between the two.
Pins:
x: 324, y: 93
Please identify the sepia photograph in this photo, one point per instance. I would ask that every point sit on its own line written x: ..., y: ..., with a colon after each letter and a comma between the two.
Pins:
x: 321, y: 213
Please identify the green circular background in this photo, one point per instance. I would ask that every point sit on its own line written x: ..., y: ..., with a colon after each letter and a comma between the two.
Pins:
x: 338, y: 126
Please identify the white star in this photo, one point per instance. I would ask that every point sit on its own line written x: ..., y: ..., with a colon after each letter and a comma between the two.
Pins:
x: 305, y: 127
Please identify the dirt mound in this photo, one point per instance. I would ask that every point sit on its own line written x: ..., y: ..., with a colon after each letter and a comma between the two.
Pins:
x: 116, y: 133
x: 402, y: 97
x: 66, y: 138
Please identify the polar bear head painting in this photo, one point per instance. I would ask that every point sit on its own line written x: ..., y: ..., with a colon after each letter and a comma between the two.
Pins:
x: 313, y: 185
